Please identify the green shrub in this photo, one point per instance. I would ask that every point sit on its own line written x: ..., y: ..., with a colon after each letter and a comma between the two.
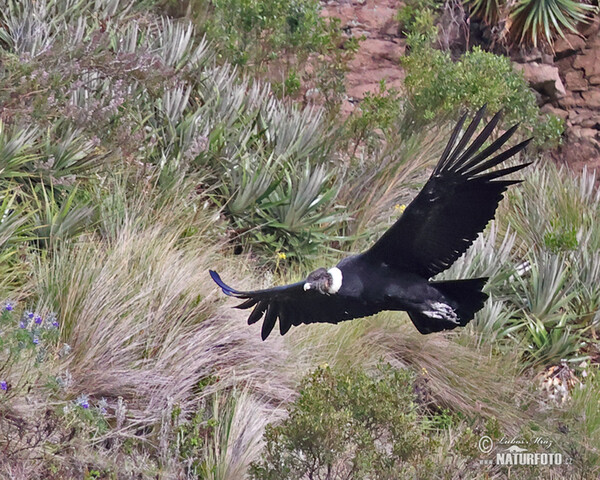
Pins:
x: 437, y: 87
x: 349, y: 425
x: 418, y: 17
x: 377, y: 114
x: 561, y: 239
x: 331, y: 66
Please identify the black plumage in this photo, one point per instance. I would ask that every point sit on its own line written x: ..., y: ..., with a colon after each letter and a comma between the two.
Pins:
x: 438, y: 226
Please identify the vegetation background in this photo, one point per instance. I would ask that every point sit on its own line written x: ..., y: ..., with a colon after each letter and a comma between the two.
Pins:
x: 142, y: 143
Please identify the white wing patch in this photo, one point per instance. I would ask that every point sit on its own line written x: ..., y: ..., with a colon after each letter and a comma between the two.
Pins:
x: 442, y: 311
x: 336, y: 280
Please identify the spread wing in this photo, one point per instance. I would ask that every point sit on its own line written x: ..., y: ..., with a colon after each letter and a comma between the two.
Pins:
x: 454, y: 206
x: 292, y: 305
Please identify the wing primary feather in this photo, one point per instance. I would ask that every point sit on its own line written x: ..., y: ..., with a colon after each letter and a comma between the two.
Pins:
x: 444, y: 158
x: 467, y: 135
x: 247, y: 304
x: 285, y: 320
x: 269, y: 322
x: 505, y: 171
x: 498, y: 158
x: 481, y: 138
x: 494, y: 146
x: 257, y: 313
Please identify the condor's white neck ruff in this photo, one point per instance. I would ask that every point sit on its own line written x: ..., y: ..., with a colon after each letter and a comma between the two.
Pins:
x: 336, y: 280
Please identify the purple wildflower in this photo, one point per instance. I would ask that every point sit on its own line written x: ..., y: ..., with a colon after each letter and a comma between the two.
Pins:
x: 37, y: 319
x: 22, y: 324
x: 102, y: 406
x: 8, y: 307
x: 36, y: 340
x: 3, y: 385
x: 55, y: 323
x: 29, y: 314
x: 83, y: 401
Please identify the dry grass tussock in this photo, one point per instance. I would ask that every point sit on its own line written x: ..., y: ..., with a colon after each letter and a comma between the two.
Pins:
x: 238, y: 435
x: 143, y: 322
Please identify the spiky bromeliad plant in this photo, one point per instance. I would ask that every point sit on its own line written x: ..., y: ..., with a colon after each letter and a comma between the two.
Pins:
x: 533, y: 21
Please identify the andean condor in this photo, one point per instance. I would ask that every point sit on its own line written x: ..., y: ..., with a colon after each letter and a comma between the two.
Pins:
x: 438, y: 226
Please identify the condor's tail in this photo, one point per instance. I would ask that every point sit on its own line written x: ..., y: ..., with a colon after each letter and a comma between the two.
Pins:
x: 468, y: 297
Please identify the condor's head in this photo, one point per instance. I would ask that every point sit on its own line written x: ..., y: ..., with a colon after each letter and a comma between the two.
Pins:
x: 324, y: 281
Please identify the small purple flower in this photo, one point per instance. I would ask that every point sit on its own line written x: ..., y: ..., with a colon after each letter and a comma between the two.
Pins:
x: 37, y: 319
x: 55, y: 323
x: 22, y: 324
x: 102, y: 406
x: 83, y: 402
x: 29, y: 314
x: 3, y: 385
x: 36, y: 340
x: 9, y: 307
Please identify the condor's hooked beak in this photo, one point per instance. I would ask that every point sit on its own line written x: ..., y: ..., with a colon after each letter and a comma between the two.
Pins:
x: 307, y: 286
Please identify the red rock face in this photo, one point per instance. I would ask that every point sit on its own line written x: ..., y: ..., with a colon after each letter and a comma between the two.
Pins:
x: 578, y: 60
x: 379, y: 54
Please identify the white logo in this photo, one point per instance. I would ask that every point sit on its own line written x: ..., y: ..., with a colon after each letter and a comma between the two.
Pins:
x: 515, y: 454
x: 485, y: 444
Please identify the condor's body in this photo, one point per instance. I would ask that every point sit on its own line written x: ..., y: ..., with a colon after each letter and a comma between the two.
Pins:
x: 385, y: 288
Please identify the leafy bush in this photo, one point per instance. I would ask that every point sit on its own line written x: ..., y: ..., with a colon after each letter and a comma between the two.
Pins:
x: 418, y: 17
x: 560, y: 239
x: 372, y: 121
x: 349, y: 425
x: 438, y: 87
